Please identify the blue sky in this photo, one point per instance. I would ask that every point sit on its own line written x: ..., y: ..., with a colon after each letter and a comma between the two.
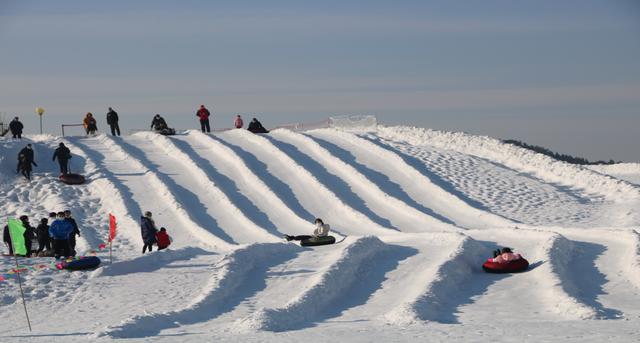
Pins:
x: 562, y: 74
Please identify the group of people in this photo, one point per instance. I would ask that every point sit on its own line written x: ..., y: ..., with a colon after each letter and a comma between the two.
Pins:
x: 151, y: 235
x: 91, y: 125
x: 57, y: 240
x: 158, y: 123
x: 26, y: 160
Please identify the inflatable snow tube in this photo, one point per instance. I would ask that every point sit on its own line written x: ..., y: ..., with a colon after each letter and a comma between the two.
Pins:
x: 314, y: 241
x: 84, y: 263
x: 72, y: 179
x: 516, y: 266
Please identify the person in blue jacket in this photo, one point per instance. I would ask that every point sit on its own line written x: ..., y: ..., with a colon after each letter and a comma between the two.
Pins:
x: 59, y: 231
x: 148, y: 230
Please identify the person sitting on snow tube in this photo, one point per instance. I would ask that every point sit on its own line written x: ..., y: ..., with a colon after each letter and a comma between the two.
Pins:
x: 322, y: 230
x: 505, y: 261
x: 505, y: 255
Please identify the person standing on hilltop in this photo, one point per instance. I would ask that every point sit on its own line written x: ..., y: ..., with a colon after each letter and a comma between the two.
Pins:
x: 90, y: 124
x: 16, y: 128
x: 238, y: 123
x: 112, y: 120
x: 203, y: 114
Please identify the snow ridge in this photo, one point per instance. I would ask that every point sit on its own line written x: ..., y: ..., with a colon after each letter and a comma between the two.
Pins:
x: 333, y: 283
x: 224, y: 290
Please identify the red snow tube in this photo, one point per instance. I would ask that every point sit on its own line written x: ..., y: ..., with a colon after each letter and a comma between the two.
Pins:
x: 72, y: 179
x: 508, y: 267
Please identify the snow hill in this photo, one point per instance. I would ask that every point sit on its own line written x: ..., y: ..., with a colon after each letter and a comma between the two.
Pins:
x: 416, y: 212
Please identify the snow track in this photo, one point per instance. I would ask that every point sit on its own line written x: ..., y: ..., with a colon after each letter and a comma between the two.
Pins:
x: 321, y: 201
x: 412, y: 182
x: 400, y: 214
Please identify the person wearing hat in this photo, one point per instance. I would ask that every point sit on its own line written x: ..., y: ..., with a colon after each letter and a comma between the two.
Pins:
x: 25, y: 161
x: 112, y: 120
x: 63, y: 154
x: 90, y: 124
x: 204, y: 114
x: 148, y: 230
x: 16, y: 128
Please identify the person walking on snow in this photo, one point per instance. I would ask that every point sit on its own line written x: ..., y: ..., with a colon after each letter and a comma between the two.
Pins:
x: 238, y: 122
x: 16, y: 128
x: 90, y: 124
x: 148, y: 231
x: 204, y: 114
x: 321, y: 230
x: 63, y: 154
x: 112, y: 120
x: 25, y: 161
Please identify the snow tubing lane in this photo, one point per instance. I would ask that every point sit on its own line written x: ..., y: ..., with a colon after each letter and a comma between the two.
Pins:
x: 516, y: 266
x: 72, y: 179
x: 311, y: 242
x: 82, y: 264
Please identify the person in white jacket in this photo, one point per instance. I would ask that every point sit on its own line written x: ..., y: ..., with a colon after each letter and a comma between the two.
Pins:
x: 321, y: 230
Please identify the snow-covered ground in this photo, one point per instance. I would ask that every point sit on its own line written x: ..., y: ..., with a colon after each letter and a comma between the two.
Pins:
x: 416, y: 213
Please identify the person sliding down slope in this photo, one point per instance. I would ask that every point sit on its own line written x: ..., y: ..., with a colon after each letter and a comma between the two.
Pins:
x: 321, y: 230
x: 504, y: 256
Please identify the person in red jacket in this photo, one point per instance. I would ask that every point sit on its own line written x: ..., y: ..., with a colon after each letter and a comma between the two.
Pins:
x: 204, y: 114
x: 163, y: 239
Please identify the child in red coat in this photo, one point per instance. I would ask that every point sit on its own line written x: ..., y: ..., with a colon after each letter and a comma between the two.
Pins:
x: 162, y: 238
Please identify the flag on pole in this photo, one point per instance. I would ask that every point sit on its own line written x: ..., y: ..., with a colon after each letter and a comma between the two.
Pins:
x: 16, y: 230
x: 112, y: 227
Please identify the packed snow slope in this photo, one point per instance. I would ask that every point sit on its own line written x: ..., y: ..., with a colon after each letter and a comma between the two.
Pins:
x: 416, y: 212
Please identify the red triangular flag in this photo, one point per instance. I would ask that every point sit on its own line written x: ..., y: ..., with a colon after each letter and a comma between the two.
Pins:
x: 112, y: 227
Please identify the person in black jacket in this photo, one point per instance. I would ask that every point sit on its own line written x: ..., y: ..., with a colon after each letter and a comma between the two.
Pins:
x: 256, y: 127
x: 74, y: 233
x: 6, y: 238
x: 25, y: 160
x: 29, y: 234
x: 63, y: 154
x: 16, y: 128
x: 112, y: 120
x: 148, y: 230
x: 42, y: 231
x: 158, y: 123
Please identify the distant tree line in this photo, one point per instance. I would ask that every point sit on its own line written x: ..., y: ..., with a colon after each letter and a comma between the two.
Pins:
x: 561, y: 157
